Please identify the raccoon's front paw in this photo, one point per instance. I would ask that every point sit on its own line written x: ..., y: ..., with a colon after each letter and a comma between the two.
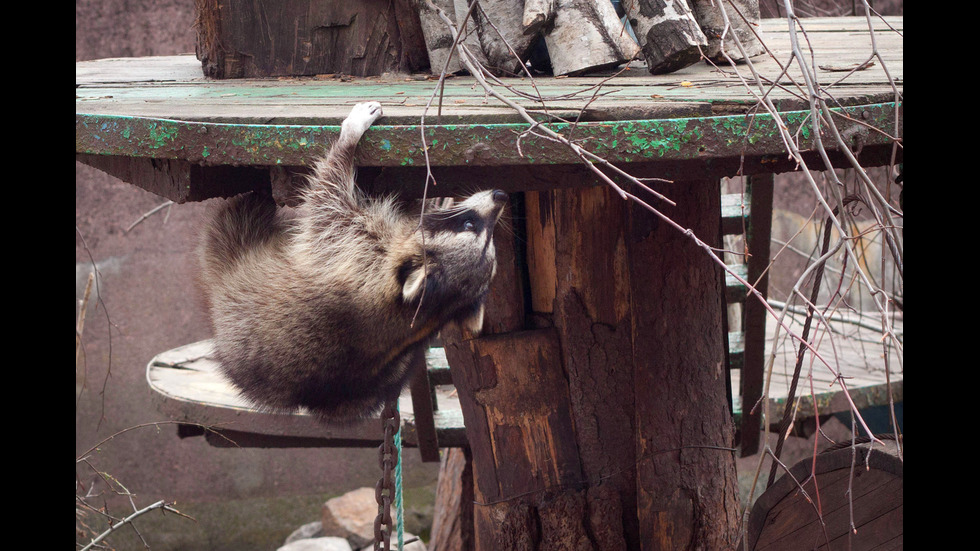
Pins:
x: 361, y: 117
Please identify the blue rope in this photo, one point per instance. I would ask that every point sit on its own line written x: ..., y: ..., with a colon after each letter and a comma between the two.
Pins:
x: 398, y: 489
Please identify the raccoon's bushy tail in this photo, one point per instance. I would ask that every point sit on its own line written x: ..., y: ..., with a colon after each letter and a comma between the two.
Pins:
x: 244, y: 223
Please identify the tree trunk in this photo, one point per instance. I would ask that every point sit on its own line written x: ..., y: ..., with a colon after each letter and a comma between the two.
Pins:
x: 687, y: 489
x: 608, y: 427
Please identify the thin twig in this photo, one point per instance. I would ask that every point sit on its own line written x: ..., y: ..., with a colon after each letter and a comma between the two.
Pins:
x: 158, y: 505
x: 146, y: 215
x: 82, y: 307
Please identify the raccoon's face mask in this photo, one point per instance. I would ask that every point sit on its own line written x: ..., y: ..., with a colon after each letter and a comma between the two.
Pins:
x: 459, y: 257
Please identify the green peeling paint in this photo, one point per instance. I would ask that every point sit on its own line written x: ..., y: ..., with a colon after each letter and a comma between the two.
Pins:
x: 618, y: 141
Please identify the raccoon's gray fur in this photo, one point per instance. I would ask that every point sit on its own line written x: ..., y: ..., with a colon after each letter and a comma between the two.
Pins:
x: 325, y: 308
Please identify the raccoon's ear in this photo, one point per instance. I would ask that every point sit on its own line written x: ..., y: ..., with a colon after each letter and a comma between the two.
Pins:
x: 474, y: 323
x: 413, y: 285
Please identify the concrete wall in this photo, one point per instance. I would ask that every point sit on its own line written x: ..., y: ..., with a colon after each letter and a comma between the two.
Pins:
x: 242, y: 499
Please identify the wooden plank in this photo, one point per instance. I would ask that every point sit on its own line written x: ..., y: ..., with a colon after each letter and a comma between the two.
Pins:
x: 858, y: 483
x: 695, y: 140
x: 189, y: 388
x: 168, y: 87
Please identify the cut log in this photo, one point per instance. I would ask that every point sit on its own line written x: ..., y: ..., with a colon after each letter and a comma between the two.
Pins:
x: 501, y: 28
x: 587, y: 35
x: 493, y: 34
x: 668, y: 33
x: 439, y: 37
x: 537, y: 14
x: 743, y: 18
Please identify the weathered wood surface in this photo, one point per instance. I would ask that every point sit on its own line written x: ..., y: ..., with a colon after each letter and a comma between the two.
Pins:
x: 242, y: 38
x: 189, y: 388
x: 847, y: 345
x: 174, y: 88
x: 848, y: 498
x: 157, y: 123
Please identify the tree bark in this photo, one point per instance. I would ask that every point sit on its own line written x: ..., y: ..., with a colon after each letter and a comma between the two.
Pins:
x: 687, y: 491
x: 608, y: 427
x: 238, y: 38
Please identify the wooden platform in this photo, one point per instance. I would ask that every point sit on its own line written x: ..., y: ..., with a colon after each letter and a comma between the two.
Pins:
x: 847, y: 348
x: 162, y: 108
x: 189, y: 388
x: 174, y: 87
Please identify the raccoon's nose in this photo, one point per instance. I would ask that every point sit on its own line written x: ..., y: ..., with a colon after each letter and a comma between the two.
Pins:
x: 499, y: 196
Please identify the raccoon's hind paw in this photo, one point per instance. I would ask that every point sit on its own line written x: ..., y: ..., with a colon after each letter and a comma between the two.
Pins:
x: 361, y: 117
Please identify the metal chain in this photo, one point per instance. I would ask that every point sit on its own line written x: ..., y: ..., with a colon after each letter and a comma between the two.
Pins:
x: 385, y: 490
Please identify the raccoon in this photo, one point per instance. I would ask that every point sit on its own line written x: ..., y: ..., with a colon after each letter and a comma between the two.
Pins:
x: 323, y: 309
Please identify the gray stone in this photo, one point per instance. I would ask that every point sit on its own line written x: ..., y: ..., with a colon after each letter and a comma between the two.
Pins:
x: 318, y: 544
x: 309, y: 530
x: 351, y: 516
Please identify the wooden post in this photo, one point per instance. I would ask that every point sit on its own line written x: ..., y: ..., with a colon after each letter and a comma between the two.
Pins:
x: 668, y: 33
x: 608, y: 427
x: 755, y: 314
x: 592, y: 312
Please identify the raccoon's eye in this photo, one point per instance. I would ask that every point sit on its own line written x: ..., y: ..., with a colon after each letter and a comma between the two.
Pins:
x: 469, y: 225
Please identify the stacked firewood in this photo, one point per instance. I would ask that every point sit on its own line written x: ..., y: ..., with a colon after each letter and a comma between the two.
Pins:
x: 583, y: 36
